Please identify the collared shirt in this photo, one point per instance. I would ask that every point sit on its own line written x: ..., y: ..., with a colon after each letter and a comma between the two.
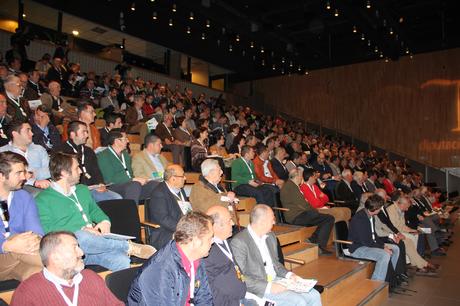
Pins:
x: 156, y: 161
x: 265, y: 254
x: 37, y: 158
x: 187, y: 267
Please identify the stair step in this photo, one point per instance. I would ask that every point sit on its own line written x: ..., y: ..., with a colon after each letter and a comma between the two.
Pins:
x: 303, y: 251
x: 288, y: 234
x: 368, y: 292
x: 337, y: 276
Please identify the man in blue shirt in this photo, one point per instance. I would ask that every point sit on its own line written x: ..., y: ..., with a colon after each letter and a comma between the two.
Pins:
x: 20, y: 228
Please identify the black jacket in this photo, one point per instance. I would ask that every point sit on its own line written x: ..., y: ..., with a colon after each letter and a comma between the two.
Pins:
x: 164, y: 210
x: 279, y: 169
x: 343, y: 193
x: 360, y: 232
x: 226, y: 288
x: 40, y: 139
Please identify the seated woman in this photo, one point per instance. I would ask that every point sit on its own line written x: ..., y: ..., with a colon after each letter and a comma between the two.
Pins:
x: 181, y: 133
x: 238, y: 142
x: 199, y: 147
x: 318, y: 199
x: 219, y: 148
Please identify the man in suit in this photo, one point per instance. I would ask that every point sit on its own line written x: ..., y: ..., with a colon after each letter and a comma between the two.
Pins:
x: 370, y: 181
x: 135, y: 119
x: 277, y: 164
x: 302, y: 213
x: 168, y: 203
x: 45, y: 133
x: 357, y: 184
x: 164, y: 130
x: 149, y: 163
x: 59, y: 108
x: 18, y: 108
x: 246, y: 182
x: 344, y: 192
x: 255, y: 253
x: 115, y: 165
x: 224, y: 276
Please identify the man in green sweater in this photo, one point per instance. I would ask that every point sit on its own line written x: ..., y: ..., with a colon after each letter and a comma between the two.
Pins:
x: 68, y: 206
x: 115, y: 165
x: 246, y: 181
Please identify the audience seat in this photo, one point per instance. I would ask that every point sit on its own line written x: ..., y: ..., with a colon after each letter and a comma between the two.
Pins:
x: 99, y: 123
x: 119, y: 282
x: 7, y: 289
x: 135, y: 138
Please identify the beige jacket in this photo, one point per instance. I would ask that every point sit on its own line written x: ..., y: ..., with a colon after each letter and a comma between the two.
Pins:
x: 142, y: 165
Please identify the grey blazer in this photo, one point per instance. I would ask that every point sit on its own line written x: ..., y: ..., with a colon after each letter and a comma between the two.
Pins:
x: 248, y: 258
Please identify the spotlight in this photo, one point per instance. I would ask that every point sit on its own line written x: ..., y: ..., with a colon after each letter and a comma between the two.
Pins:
x: 237, y: 37
x: 154, y: 16
x: 299, y: 69
x: 282, y: 71
x: 368, y: 42
x: 328, y: 5
x: 273, y: 67
x: 262, y: 49
x: 336, y: 13
x: 133, y: 6
x: 75, y: 33
x: 174, y: 8
x: 263, y: 62
x: 306, y: 72
x: 291, y: 64
x: 208, y: 23
x: 368, y: 4
x: 386, y: 60
x: 376, y: 49
x: 251, y: 44
x: 170, y: 22
x: 188, y: 30
x: 230, y: 48
x: 391, y: 31
x: 191, y: 17
x: 354, y: 29
x: 381, y: 54
x: 363, y: 37
x: 283, y: 60
x: 24, y: 15
x: 203, y: 36
x: 407, y: 51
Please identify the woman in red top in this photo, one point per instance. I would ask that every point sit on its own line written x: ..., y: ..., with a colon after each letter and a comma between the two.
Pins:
x: 318, y: 199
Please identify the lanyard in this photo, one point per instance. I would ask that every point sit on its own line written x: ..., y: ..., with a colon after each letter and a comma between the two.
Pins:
x: 225, y: 250
x: 16, y: 102
x: 371, y: 219
x: 312, y: 188
x: 250, y: 170
x: 58, y: 286
x: 122, y: 161
x: 83, y: 167
x: 80, y: 208
x: 184, y: 130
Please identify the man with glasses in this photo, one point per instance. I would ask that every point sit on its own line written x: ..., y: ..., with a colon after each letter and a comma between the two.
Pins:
x: 20, y: 228
x: 115, y: 165
x: 18, y: 108
x: 167, y: 205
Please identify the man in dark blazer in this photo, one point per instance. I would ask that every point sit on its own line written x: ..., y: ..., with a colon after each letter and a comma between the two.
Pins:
x: 167, y: 205
x: 277, y: 163
x: 255, y: 253
x: 344, y: 191
x: 224, y: 276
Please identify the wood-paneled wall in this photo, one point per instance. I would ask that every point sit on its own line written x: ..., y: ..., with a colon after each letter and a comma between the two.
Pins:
x: 410, y: 107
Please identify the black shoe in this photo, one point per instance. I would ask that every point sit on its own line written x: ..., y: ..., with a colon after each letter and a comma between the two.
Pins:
x: 319, y: 288
x: 324, y: 252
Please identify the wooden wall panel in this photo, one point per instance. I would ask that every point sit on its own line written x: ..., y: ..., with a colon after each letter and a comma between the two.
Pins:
x: 410, y: 107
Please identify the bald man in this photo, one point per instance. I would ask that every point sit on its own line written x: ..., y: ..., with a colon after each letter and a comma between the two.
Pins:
x: 224, y: 276
x: 167, y: 205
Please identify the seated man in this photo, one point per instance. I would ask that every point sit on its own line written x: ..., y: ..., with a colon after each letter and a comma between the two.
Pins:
x: 64, y: 276
x: 224, y: 276
x: 410, y: 236
x: 44, y: 132
x: 278, y: 165
x: 20, y: 229
x: 264, y: 170
x: 18, y: 108
x: 255, y: 253
x: 134, y: 118
x: 164, y: 130
x: 115, y: 165
x: 302, y: 213
x: 246, y: 183
x: 87, y: 114
x: 149, y: 164
x: 162, y: 280
x: 344, y: 192
x: 167, y: 205
x: 5, y: 120
x: 67, y: 205
x: 207, y: 192
x: 112, y: 121
x: 90, y: 173
x: 318, y: 200
x: 59, y: 108
x: 36, y: 156
x: 366, y: 243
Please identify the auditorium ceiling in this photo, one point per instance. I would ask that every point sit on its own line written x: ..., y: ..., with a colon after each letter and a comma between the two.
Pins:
x: 259, y: 39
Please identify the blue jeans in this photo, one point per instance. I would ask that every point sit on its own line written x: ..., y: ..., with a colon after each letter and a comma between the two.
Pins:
x: 291, y: 298
x: 103, y: 196
x: 109, y: 253
x: 381, y: 258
